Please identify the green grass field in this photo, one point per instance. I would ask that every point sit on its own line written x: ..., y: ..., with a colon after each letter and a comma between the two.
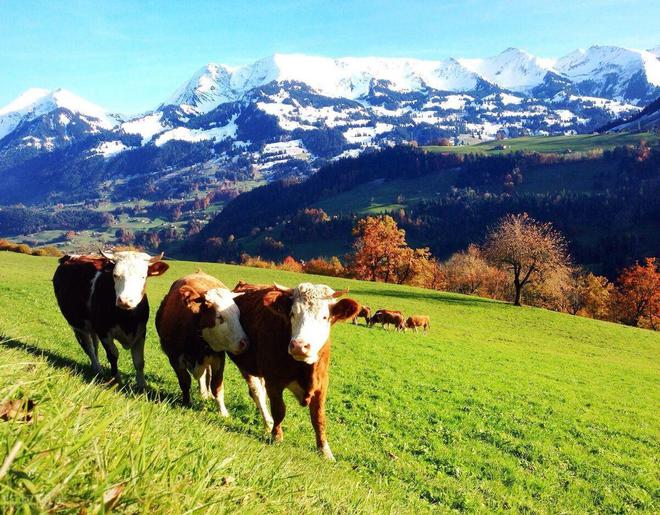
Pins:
x: 553, y: 144
x: 498, y: 408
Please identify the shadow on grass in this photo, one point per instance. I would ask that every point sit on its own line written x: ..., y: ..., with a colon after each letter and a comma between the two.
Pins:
x: 85, y: 371
x: 430, y: 296
x: 243, y: 411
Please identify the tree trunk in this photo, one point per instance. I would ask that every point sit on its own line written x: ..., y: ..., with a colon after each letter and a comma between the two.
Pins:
x: 518, y: 287
x: 516, y: 300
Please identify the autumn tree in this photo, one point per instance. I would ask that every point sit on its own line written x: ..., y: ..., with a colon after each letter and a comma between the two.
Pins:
x: 531, y: 251
x: 470, y: 273
x: 588, y: 295
x: 380, y: 249
x: 637, y: 300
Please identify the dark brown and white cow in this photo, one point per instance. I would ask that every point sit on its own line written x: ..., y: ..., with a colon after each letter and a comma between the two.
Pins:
x: 197, y: 322
x: 289, y: 332
x: 103, y: 297
x: 387, y: 317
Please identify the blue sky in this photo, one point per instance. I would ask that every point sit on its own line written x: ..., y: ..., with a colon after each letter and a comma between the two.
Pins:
x: 129, y: 55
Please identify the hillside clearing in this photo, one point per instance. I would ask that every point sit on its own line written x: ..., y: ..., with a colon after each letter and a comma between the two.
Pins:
x: 553, y: 144
x: 498, y: 408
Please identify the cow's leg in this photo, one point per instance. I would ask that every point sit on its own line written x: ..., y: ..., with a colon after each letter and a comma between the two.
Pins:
x: 87, y: 343
x: 278, y: 409
x: 258, y: 394
x: 137, y: 353
x: 184, y: 379
x: 205, y: 381
x: 216, y: 372
x: 317, y: 414
x: 112, y: 353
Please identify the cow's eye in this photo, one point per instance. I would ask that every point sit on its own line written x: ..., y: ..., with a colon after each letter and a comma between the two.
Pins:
x: 325, y: 317
x: 220, y: 319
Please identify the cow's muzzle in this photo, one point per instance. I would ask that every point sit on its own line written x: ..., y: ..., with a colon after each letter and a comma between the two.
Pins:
x: 299, y: 350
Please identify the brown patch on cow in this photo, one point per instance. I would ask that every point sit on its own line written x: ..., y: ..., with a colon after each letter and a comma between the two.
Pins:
x: 277, y: 301
x: 100, y: 263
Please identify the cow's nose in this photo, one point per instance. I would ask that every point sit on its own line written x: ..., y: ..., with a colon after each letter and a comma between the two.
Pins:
x: 299, y: 348
x: 243, y: 345
x: 123, y: 303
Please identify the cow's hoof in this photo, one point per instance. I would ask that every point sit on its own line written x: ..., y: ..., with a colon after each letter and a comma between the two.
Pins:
x: 326, y: 452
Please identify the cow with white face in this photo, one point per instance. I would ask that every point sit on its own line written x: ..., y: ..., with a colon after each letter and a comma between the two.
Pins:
x: 197, y: 321
x: 103, y: 298
x: 289, y: 331
x: 311, y: 318
x: 130, y: 273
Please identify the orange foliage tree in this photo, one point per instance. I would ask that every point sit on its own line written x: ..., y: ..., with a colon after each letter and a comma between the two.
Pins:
x: 380, y: 249
x: 637, y: 300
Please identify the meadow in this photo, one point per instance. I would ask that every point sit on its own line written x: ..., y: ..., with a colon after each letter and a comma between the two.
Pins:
x: 498, y: 408
x: 553, y: 144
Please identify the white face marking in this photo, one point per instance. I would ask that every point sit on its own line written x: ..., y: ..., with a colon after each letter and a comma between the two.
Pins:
x: 130, y: 274
x: 227, y: 333
x: 310, y: 321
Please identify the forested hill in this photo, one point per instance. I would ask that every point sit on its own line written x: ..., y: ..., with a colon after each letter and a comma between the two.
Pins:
x: 267, y: 205
x: 606, y: 202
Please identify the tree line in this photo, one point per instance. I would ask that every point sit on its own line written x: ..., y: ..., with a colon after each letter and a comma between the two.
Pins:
x: 523, y: 261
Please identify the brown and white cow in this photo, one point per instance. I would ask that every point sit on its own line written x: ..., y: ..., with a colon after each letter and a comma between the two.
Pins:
x: 387, y: 317
x: 365, y: 312
x: 103, y: 297
x: 415, y: 321
x: 197, y: 322
x: 289, y: 332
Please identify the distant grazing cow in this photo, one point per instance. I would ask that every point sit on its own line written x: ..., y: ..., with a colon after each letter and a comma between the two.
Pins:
x: 365, y: 312
x: 289, y: 331
x: 197, y: 321
x: 103, y: 297
x: 387, y: 317
x: 416, y: 321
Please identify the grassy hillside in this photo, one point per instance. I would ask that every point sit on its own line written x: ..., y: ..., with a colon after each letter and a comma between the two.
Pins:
x: 553, y: 144
x: 498, y: 408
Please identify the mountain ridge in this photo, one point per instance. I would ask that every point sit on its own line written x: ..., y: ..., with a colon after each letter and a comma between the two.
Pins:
x: 288, y: 114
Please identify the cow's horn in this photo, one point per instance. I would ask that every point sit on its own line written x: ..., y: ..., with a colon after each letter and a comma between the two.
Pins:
x: 156, y: 258
x: 107, y: 255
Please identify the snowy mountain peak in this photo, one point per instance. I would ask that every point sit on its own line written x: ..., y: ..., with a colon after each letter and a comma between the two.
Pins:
x: 609, y: 64
x: 36, y: 102
x: 512, y: 69
x: 351, y: 77
x: 208, y: 88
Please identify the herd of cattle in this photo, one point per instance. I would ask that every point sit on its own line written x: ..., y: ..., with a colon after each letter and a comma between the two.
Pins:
x: 278, y: 337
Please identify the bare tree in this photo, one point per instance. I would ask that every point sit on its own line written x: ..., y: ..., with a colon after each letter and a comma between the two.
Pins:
x: 530, y: 250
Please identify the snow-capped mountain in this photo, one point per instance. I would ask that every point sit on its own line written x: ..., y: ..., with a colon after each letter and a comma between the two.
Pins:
x: 613, y: 72
x: 37, y: 102
x: 288, y: 114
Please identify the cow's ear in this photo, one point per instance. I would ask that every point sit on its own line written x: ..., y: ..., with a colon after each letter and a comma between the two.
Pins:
x: 279, y: 303
x: 157, y: 268
x: 344, y: 309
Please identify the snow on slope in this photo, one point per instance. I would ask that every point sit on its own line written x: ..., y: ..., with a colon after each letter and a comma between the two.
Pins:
x: 36, y: 102
x: 512, y: 69
x: 208, y: 88
x: 599, y: 62
x: 146, y: 126
x: 338, y: 78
